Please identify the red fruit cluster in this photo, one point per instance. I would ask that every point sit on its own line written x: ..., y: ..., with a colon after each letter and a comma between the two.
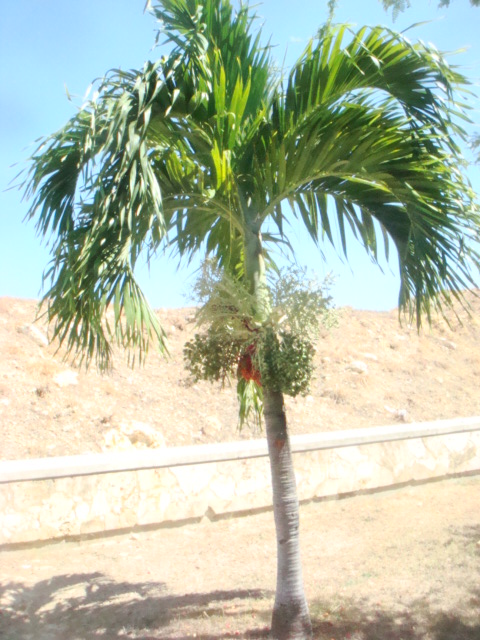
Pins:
x: 246, y: 369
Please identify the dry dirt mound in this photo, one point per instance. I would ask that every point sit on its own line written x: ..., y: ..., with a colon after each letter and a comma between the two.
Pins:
x: 370, y: 371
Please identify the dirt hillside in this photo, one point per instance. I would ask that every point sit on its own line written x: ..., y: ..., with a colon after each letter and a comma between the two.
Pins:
x: 370, y: 371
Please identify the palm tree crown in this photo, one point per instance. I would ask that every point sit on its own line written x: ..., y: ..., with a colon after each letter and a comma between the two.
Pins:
x: 203, y: 147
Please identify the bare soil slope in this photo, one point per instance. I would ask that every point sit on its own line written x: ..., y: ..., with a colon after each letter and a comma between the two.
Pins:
x: 370, y: 371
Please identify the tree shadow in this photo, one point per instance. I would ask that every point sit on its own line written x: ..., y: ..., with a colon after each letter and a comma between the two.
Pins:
x: 357, y: 620
x: 87, y: 605
x: 471, y: 536
x: 91, y: 605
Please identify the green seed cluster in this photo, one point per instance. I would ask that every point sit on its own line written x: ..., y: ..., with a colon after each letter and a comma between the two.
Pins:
x: 286, y: 362
x: 284, y: 359
x: 212, y: 356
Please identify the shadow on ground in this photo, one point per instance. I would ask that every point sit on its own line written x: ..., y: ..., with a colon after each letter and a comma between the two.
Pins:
x: 87, y: 605
x: 412, y: 621
x: 471, y: 538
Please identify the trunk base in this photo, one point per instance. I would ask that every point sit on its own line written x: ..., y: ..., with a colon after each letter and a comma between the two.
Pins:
x: 291, y: 622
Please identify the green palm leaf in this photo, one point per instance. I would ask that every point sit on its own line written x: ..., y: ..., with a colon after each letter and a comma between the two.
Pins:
x: 199, y: 150
x: 373, y: 125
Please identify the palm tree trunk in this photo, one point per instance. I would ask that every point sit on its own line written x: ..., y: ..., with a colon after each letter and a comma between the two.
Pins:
x: 291, y: 618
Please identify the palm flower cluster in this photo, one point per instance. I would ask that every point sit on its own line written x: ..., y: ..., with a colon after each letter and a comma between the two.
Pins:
x: 276, y: 354
x: 281, y: 361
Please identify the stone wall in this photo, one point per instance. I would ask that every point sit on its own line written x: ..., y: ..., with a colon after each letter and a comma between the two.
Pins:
x: 74, y: 506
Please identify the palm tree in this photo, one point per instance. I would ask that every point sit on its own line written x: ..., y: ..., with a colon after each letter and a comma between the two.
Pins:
x: 211, y: 149
x: 400, y: 5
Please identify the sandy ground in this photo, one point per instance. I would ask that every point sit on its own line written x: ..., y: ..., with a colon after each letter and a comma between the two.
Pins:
x: 403, y: 564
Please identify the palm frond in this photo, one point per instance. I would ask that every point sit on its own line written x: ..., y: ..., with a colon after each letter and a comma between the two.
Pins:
x: 94, y: 189
x: 415, y: 75
x: 372, y: 127
x: 198, y: 150
x: 220, y: 44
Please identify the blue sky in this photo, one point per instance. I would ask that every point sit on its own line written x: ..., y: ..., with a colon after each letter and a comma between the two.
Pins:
x: 47, y: 45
